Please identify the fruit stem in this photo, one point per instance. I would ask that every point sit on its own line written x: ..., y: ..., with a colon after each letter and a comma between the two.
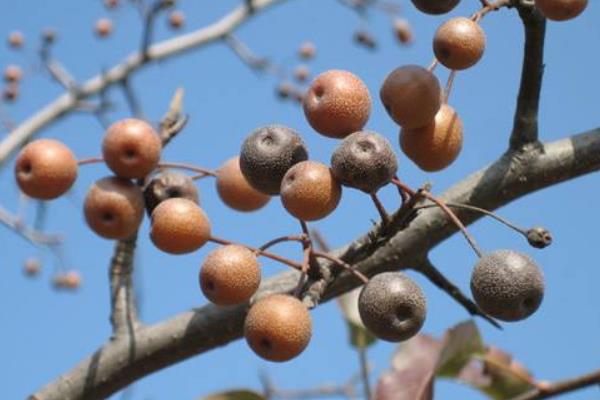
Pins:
x: 289, y: 238
x: 440, y: 203
x: 267, y: 254
x: 364, y: 371
x: 90, y: 160
x: 306, y: 260
x: 433, y: 64
x: 385, y: 218
x: 449, y: 84
x: 335, y: 260
x: 189, y: 167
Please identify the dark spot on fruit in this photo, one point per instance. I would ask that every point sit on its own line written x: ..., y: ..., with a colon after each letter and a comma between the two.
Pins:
x: 404, y: 313
x: 319, y: 91
x: 173, y: 192
x: 107, y: 217
x: 26, y: 168
x: 130, y: 153
x: 266, y: 343
x: 210, y: 285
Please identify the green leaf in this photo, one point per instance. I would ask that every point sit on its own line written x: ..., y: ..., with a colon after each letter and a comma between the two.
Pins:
x: 238, y: 394
x: 360, y: 337
x: 459, y: 345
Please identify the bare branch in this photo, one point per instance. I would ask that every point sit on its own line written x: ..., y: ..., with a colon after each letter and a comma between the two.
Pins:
x: 168, y: 48
x: 132, y: 100
x: 249, y: 58
x: 560, y: 387
x: 525, y: 128
x: 190, y: 333
x: 34, y: 236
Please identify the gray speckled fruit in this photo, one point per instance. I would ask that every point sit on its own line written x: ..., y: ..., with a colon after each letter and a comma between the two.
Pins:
x: 364, y: 160
x: 507, y: 285
x: 267, y: 154
x: 392, y: 306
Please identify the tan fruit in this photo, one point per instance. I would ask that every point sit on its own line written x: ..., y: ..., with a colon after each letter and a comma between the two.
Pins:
x: 411, y: 96
x: 32, y: 266
x: 230, y: 275
x: 459, y: 43
x: 403, y: 31
x: 131, y: 148
x: 176, y: 19
x: 309, y: 191
x: 10, y: 92
x: 278, y: 327
x: 301, y: 73
x: 179, y: 226
x: 435, y: 6
x: 435, y: 146
x: 16, y: 40
x: 12, y: 73
x: 337, y: 104
x: 235, y: 191
x: 307, y: 50
x: 103, y: 27
x: 114, y: 208
x: 561, y: 10
x: 45, y: 169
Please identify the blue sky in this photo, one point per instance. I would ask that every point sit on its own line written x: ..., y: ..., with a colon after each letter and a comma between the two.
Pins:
x: 46, y: 332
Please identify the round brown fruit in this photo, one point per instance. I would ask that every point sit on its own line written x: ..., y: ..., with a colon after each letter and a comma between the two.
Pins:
x: 114, y: 208
x: 230, y: 275
x: 278, y: 327
x: 16, y: 40
x: 307, y: 50
x: 337, y: 104
x: 32, y: 266
x: 131, y: 148
x: 459, y: 43
x: 176, y: 19
x: 561, y: 10
x: 12, y: 73
x: 435, y: 146
x: 179, y: 226
x: 309, y: 191
x: 45, y: 169
x: 411, y: 95
x: 10, y: 92
x: 403, y: 31
x: 435, y: 6
x: 103, y: 27
x: 235, y: 191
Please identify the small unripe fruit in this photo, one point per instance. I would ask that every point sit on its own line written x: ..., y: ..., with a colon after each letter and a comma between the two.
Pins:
x: 131, y: 148
x: 301, y: 73
x: 411, y: 95
x: 67, y: 280
x: 309, y: 191
x: 284, y: 90
x: 10, y: 92
x: 435, y: 146
x: 176, y: 19
x: 235, y: 191
x: 364, y: 160
x: 365, y: 39
x: 561, y: 10
x: 392, y: 306
x: 435, y: 6
x: 45, y: 169
x: 16, y: 40
x: 49, y: 35
x: 307, y: 51
x: 32, y: 266
x: 459, y: 43
x: 403, y: 31
x: 230, y: 275
x: 179, y: 226
x: 507, y: 285
x: 167, y: 185
x: 267, y: 154
x: 539, y: 237
x: 278, y: 327
x: 337, y: 104
x: 12, y: 73
x: 103, y: 27
x: 114, y: 208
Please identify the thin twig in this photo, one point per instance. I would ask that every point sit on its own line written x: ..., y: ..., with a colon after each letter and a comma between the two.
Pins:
x: 385, y: 218
x: 342, y: 264
x: 132, y: 100
x: 560, y: 387
x: 32, y: 235
x: 267, y: 254
x: 426, y: 268
x: 189, y: 167
x: 364, y: 371
x: 282, y: 239
x: 249, y: 58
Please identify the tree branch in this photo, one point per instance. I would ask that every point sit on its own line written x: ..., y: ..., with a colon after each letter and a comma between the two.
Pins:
x: 525, y: 127
x: 514, y: 175
x: 123, y: 316
x: 34, y: 236
x: 560, y: 387
x: 159, y: 51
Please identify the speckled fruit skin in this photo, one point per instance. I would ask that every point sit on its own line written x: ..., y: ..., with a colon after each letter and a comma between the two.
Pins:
x: 411, y: 95
x: 167, y: 185
x: 267, y: 154
x: 45, y: 169
x: 337, y: 104
x: 278, y: 327
x: 131, y: 148
x: 235, y: 191
x: 459, y: 43
x: 365, y: 161
x: 561, y: 10
x: 435, y: 146
x: 179, y: 226
x: 114, y: 207
x: 230, y: 275
x: 392, y: 306
x: 309, y: 191
x: 435, y: 6
x: 507, y: 285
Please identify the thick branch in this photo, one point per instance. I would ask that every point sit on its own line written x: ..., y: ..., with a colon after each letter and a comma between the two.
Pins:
x: 194, y: 332
x: 123, y: 316
x: 525, y: 128
x: 560, y: 387
x: 168, y: 48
